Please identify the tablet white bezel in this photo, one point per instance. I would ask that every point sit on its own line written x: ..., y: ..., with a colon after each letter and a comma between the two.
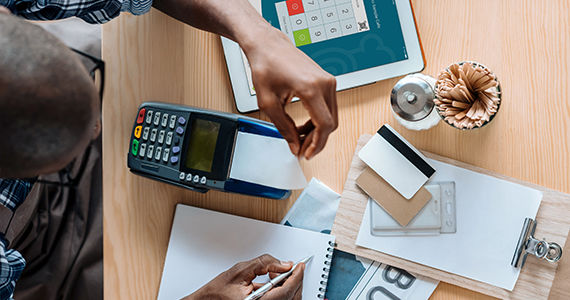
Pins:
x: 245, y: 102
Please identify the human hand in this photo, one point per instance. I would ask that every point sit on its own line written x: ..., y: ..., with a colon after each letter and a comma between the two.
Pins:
x: 236, y: 283
x: 4, y: 10
x: 280, y: 72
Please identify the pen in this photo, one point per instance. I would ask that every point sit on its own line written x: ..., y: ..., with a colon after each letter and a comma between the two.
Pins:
x: 273, y: 282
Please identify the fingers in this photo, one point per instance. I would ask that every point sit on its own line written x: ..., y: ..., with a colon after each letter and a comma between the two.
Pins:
x: 290, y: 287
x: 266, y: 263
x: 318, y: 141
x: 248, y: 270
x: 321, y: 117
x: 296, y: 277
x: 307, y: 141
x: 322, y: 108
x: 330, y: 98
x: 289, y: 264
x: 271, y: 105
x: 306, y: 128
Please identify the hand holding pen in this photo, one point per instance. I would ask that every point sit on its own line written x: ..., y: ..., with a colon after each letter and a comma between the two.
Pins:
x: 276, y: 280
x: 237, y: 282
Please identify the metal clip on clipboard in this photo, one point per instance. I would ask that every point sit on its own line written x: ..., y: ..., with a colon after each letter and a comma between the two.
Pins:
x: 528, y: 244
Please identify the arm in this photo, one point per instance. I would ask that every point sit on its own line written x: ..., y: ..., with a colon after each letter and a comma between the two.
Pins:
x: 280, y: 71
x: 227, y: 18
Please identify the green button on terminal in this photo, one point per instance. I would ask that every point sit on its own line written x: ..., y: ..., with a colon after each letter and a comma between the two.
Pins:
x: 135, y: 147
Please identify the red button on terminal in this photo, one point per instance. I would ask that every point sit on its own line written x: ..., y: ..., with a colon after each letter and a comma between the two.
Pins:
x: 140, y: 118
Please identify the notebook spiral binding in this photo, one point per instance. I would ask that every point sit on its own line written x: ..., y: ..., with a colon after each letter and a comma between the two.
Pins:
x: 326, y: 270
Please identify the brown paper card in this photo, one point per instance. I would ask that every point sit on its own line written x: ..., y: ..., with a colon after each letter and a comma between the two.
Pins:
x: 400, y: 208
x: 560, y: 287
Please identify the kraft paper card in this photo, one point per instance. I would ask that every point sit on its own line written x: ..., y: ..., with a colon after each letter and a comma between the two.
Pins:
x: 400, y: 208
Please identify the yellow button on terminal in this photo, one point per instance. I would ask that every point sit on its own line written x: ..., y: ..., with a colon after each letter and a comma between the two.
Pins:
x: 138, y: 131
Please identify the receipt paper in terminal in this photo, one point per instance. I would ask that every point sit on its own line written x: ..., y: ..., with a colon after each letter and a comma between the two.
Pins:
x: 397, y: 161
x: 266, y: 161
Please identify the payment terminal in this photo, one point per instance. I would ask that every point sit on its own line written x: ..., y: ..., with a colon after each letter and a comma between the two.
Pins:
x: 192, y: 148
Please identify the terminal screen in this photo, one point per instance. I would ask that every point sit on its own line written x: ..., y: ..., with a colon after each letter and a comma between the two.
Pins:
x: 202, y: 145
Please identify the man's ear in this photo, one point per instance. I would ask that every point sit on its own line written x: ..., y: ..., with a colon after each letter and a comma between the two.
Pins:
x: 97, y: 129
x: 4, y: 10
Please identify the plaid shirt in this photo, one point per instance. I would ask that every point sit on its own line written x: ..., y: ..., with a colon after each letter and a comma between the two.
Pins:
x: 91, y: 11
x: 12, y: 194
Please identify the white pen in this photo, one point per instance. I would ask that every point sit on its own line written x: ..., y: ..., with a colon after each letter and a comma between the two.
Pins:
x: 273, y: 282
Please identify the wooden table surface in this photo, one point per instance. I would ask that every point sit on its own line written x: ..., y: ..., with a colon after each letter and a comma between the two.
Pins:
x: 154, y: 57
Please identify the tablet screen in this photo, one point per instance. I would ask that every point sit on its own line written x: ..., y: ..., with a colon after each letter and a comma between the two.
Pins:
x: 342, y: 36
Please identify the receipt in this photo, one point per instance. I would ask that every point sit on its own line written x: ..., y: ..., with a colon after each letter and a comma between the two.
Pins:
x: 266, y: 161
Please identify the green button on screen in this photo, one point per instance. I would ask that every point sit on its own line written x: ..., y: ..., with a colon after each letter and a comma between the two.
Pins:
x: 302, y: 37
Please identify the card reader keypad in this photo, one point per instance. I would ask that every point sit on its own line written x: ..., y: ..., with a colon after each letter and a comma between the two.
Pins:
x: 154, y: 136
x: 157, y: 138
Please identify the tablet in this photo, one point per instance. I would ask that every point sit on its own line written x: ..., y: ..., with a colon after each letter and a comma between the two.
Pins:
x: 358, y: 41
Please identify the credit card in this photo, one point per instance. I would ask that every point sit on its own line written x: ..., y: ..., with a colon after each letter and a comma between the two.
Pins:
x: 397, y: 161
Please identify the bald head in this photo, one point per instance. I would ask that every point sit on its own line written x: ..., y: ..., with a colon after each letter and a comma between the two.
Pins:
x: 48, y: 102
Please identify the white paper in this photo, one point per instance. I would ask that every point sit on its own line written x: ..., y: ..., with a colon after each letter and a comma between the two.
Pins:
x: 315, y: 208
x: 266, y: 161
x: 205, y: 243
x: 490, y: 216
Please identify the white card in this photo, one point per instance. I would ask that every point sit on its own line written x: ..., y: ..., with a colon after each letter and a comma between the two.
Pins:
x: 397, y: 161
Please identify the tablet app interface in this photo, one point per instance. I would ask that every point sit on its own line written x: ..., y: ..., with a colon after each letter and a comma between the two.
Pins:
x: 311, y: 21
x: 342, y: 36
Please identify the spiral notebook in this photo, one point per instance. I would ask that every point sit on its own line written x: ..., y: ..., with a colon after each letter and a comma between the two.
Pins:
x: 205, y: 243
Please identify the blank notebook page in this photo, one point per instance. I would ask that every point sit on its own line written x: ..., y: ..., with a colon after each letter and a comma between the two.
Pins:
x: 205, y: 243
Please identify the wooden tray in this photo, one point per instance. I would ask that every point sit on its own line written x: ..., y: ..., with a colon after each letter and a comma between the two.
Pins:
x: 535, y: 280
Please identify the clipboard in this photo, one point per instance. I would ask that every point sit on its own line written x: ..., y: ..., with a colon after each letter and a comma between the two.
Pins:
x: 536, y: 277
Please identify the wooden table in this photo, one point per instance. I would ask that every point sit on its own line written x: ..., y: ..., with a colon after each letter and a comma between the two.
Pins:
x: 153, y: 57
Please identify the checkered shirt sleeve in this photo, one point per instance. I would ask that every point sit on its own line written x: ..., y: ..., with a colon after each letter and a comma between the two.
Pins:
x: 91, y: 11
x: 12, y: 194
x: 11, y: 266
